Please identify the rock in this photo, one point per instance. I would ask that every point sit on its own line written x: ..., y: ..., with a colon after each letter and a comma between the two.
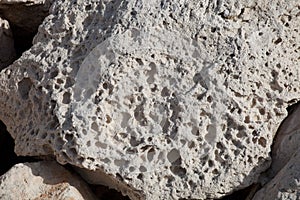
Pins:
x: 286, y: 142
x: 163, y: 99
x: 42, y: 180
x: 286, y: 184
x: 7, y: 50
x: 285, y: 168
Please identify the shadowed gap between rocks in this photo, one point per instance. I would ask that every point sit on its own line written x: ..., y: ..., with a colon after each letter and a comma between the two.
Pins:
x: 101, y: 192
x: 24, y: 20
x: 8, y: 158
x: 243, y: 194
x: 22, y: 39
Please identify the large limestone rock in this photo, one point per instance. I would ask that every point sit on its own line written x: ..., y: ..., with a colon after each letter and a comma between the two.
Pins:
x: 42, y: 181
x: 7, y: 50
x: 163, y: 99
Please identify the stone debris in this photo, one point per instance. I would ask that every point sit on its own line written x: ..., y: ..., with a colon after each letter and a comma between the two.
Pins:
x: 163, y: 99
x: 7, y: 50
x: 44, y: 180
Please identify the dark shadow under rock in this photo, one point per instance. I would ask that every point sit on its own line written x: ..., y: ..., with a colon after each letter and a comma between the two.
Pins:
x: 103, y: 192
x: 243, y: 194
x: 8, y: 158
x: 24, y: 19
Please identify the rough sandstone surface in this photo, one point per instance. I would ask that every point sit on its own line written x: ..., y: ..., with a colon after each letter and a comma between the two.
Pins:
x: 165, y: 99
x: 7, y: 50
x: 42, y: 181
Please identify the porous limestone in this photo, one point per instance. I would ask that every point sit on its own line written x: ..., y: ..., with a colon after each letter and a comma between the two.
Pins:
x: 42, y: 181
x: 164, y: 99
x: 7, y: 50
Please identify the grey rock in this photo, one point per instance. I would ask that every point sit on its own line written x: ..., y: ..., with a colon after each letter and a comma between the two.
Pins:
x: 165, y: 99
x: 286, y: 184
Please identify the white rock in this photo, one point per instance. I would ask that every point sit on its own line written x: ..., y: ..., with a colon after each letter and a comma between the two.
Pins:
x: 7, y: 50
x: 42, y: 180
x: 167, y: 99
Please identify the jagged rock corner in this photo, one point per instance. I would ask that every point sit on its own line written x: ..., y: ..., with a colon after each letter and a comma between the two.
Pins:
x: 157, y: 99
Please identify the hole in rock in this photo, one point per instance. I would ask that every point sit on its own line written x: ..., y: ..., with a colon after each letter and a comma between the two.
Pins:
x: 8, y: 158
x: 24, y: 87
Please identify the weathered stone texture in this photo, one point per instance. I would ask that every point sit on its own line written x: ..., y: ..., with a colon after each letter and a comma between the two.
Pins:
x: 168, y: 99
x: 42, y: 181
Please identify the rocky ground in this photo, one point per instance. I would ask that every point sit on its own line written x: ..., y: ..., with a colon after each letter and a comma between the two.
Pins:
x: 117, y: 99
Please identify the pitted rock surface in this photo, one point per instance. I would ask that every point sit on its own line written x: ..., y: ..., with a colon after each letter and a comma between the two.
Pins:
x: 167, y: 100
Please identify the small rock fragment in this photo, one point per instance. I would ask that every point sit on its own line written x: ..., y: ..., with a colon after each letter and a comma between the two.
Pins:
x: 42, y: 180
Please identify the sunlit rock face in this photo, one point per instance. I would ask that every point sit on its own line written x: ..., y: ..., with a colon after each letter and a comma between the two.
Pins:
x: 164, y: 99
